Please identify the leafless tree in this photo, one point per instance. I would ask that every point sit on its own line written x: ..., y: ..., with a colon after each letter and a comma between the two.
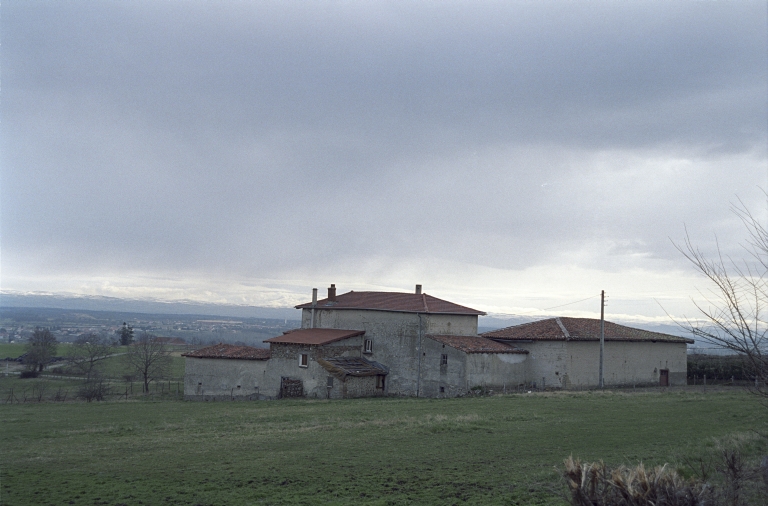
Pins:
x: 40, y: 348
x: 88, y: 351
x: 150, y: 358
x: 734, y: 307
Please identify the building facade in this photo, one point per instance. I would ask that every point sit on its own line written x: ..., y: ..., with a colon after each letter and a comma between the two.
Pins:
x: 413, y: 344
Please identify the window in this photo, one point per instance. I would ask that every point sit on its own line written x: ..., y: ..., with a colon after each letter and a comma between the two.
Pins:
x: 329, y: 382
x: 442, y: 390
x: 443, y: 359
x: 303, y: 360
x: 368, y: 346
x: 380, y: 382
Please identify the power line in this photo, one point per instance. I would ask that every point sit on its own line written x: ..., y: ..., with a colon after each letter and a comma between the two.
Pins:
x: 547, y: 308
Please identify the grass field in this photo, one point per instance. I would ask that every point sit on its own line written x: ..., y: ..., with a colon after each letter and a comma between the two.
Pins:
x: 489, y: 450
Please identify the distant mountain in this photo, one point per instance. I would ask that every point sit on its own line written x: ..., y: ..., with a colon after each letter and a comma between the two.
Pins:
x: 10, y: 298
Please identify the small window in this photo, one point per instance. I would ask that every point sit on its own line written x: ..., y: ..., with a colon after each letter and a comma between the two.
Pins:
x: 303, y: 360
x: 443, y: 359
x: 442, y: 390
x: 368, y: 346
x: 380, y: 382
x: 329, y: 382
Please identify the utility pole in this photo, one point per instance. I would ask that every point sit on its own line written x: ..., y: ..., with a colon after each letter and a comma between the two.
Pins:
x: 602, y: 335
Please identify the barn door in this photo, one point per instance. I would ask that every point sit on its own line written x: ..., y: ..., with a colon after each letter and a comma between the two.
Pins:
x: 664, y: 378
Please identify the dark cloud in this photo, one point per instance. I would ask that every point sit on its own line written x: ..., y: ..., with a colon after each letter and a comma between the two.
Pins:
x: 270, y: 139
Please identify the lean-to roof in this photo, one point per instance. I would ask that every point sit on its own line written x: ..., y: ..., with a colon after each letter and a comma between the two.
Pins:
x: 314, y: 337
x: 475, y: 344
x: 341, y: 367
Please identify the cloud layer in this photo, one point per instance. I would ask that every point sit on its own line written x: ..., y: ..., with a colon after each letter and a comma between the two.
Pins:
x: 224, y: 151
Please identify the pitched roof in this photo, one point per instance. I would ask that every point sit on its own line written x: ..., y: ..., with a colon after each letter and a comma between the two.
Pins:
x: 579, y: 329
x: 341, y: 367
x: 393, y: 301
x: 314, y: 336
x: 475, y: 344
x: 230, y: 351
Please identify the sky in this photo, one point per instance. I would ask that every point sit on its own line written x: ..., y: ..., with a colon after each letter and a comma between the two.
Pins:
x: 511, y: 156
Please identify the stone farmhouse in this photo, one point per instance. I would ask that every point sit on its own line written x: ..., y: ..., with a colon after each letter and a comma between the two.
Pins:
x: 363, y: 344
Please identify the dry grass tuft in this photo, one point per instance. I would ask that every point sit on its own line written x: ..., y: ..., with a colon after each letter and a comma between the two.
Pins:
x: 596, y: 485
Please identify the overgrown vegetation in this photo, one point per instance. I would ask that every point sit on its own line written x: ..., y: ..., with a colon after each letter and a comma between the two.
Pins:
x: 478, y: 450
x: 720, y: 368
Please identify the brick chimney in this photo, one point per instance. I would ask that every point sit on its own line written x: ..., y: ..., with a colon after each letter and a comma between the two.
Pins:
x: 418, y: 289
x: 332, y: 293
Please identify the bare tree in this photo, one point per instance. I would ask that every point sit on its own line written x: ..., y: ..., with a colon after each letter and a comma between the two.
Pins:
x: 150, y: 358
x: 734, y: 308
x: 40, y: 348
x: 88, y: 351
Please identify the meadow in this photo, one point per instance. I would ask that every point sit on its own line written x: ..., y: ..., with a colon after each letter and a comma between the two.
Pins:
x: 484, y: 450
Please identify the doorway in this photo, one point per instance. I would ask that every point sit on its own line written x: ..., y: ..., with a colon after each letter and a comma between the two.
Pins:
x: 664, y: 378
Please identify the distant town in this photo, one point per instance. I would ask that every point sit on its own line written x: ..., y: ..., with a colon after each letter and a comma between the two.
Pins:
x: 17, y: 324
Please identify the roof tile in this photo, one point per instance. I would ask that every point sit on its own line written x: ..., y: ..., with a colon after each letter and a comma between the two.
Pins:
x: 579, y: 329
x: 475, y: 344
x: 393, y: 301
x: 230, y: 351
x: 314, y: 337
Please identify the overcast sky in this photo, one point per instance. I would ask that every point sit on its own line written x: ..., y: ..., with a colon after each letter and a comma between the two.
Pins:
x: 510, y: 156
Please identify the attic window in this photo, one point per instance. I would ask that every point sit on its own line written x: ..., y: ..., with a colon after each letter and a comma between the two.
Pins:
x: 368, y: 346
x: 303, y: 360
x: 443, y: 359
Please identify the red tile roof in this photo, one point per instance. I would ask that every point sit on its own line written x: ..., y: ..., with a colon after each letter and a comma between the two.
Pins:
x: 579, y: 329
x: 475, y: 344
x: 314, y: 336
x: 393, y: 301
x: 230, y: 351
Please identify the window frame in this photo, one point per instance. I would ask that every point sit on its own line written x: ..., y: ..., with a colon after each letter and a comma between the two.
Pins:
x: 303, y: 359
x: 443, y: 359
x: 368, y: 346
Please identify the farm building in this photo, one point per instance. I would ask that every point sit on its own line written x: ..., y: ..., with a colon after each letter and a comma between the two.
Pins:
x: 225, y: 372
x: 387, y: 343
x: 564, y: 353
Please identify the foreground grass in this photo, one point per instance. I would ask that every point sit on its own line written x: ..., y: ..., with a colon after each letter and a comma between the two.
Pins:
x: 496, y: 450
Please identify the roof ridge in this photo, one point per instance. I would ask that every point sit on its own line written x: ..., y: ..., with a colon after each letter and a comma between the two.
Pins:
x: 562, y: 327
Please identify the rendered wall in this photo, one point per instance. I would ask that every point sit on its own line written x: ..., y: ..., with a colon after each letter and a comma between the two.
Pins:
x: 219, y: 379
x: 573, y: 364
x: 464, y: 371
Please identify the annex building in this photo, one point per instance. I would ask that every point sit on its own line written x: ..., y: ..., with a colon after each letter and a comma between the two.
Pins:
x: 363, y: 344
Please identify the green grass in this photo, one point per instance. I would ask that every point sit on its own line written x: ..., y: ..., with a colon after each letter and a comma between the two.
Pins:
x: 15, y: 350
x: 493, y: 450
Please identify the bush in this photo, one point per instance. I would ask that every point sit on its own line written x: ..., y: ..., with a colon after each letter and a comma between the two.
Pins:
x: 95, y: 390
x: 29, y: 374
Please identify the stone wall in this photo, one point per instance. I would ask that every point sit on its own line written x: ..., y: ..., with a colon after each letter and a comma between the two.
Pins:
x: 395, y: 337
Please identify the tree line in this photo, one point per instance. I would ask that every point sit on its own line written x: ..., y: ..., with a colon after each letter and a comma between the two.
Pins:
x: 146, y: 356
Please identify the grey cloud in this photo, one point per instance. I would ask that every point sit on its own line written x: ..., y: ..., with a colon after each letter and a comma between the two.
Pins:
x: 259, y: 137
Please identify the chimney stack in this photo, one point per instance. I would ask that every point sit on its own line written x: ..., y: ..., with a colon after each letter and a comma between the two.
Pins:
x: 418, y: 289
x: 332, y: 293
x: 314, y: 297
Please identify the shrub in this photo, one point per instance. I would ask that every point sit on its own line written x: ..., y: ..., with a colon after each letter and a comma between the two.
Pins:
x: 29, y: 374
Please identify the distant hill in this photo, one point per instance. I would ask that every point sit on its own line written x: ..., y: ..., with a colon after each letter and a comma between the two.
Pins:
x: 99, y: 303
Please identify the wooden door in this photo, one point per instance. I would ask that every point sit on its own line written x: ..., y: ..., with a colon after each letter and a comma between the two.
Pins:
x: 664, y: 378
